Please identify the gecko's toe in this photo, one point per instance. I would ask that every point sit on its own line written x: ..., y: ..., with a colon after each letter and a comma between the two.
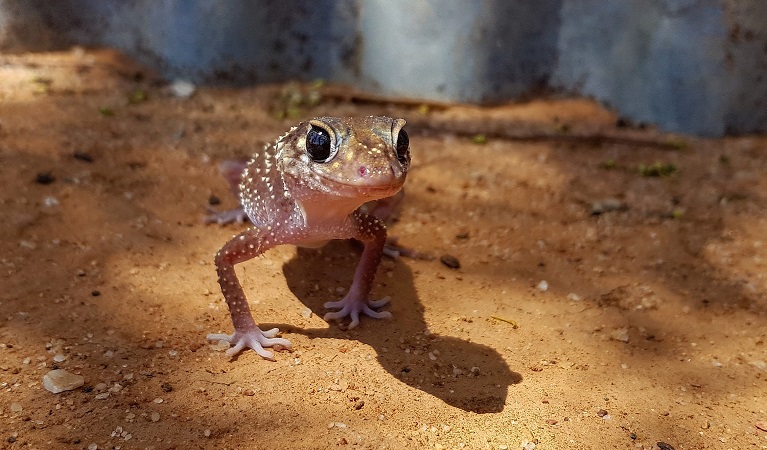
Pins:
x: 379, y: 303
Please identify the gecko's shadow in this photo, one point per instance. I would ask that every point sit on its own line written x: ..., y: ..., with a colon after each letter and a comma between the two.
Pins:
x: 463, y: 374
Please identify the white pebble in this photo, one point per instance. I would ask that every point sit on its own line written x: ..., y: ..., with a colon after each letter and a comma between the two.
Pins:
x: 220, y: 346
x: 181, y: 88
x: 155, y: 417
x: 158, y: 400
x: 621, y: 334
x: 306, y: 313
x: 50, y: 201
x: 93, y: 447
x: 17, y: 408
x: 60, y: 380
x: 27, y: 244
x: 543, y: 286
x: 573, y: 297
x: 59, y: 358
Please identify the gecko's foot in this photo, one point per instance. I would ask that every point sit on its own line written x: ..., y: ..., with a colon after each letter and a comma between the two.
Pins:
x: 253, y: 338
x: 350, y: 307
x: 236, y: 215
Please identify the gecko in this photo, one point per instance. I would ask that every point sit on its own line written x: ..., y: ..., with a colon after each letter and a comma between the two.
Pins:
x: 306, y: 189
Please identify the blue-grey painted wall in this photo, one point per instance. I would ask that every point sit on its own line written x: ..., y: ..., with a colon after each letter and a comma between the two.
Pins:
x: 696, y: 66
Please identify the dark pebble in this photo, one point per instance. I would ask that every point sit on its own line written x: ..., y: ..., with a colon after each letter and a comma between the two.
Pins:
x: 84, y: 157
x: 166, y: 387
x: 96, y: 293
x: 44, y: 178
x: 450, y: 261
x: 602, y: 413
x: 11, y: 439
x: 664, y: 446
x: 359, y: 405
x: 213, y: 200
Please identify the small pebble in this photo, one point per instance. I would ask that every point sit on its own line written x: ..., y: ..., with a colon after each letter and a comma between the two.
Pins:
x: 621, y: 334
x: 607, y: 205
x: 543, y: 286
x: 44, y: 178
x: 181, y: 88
x: 84, y: 157
x: 664, y: 446
x: 759, y: 364
x: 450, y: 261
x: 220, y: 346
x: 50, y: 201
x: 16, y: 408
x: 93, y: 447
x: 306, y: 313
x: 60, y: 380
x: 573, y: 297
x: 155, y: 417
x: 602, y: 413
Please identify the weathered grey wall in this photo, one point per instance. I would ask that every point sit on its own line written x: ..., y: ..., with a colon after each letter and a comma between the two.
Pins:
x: 695, y: 66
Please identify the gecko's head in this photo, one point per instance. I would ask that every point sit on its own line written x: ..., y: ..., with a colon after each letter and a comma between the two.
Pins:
x: 352, y: 156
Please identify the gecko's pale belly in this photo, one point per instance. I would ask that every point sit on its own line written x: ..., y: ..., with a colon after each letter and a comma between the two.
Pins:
x: 313, y: 244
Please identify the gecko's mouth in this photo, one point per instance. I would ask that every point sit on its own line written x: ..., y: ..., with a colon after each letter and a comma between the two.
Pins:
x: 372, y: 191
x: 367, y: 191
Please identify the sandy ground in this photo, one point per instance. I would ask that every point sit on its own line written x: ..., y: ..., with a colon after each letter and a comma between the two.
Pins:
x: 596, y: 306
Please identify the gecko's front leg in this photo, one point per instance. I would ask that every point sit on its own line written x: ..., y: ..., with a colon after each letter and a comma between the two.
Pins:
x: 372, y: 233
x: 247, y: 334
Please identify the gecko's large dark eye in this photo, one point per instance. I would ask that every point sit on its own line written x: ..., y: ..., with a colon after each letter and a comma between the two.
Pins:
x: 318, y: 144
x: 403, y: 147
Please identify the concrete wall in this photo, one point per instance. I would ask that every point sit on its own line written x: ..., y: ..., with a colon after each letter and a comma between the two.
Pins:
x: 694, y: 66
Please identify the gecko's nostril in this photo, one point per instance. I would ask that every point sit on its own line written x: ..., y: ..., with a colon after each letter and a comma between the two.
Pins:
x: 363, y: 171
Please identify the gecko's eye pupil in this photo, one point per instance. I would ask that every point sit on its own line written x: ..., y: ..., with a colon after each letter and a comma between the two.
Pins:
x: 403, y: 145
x: 318, y: 144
